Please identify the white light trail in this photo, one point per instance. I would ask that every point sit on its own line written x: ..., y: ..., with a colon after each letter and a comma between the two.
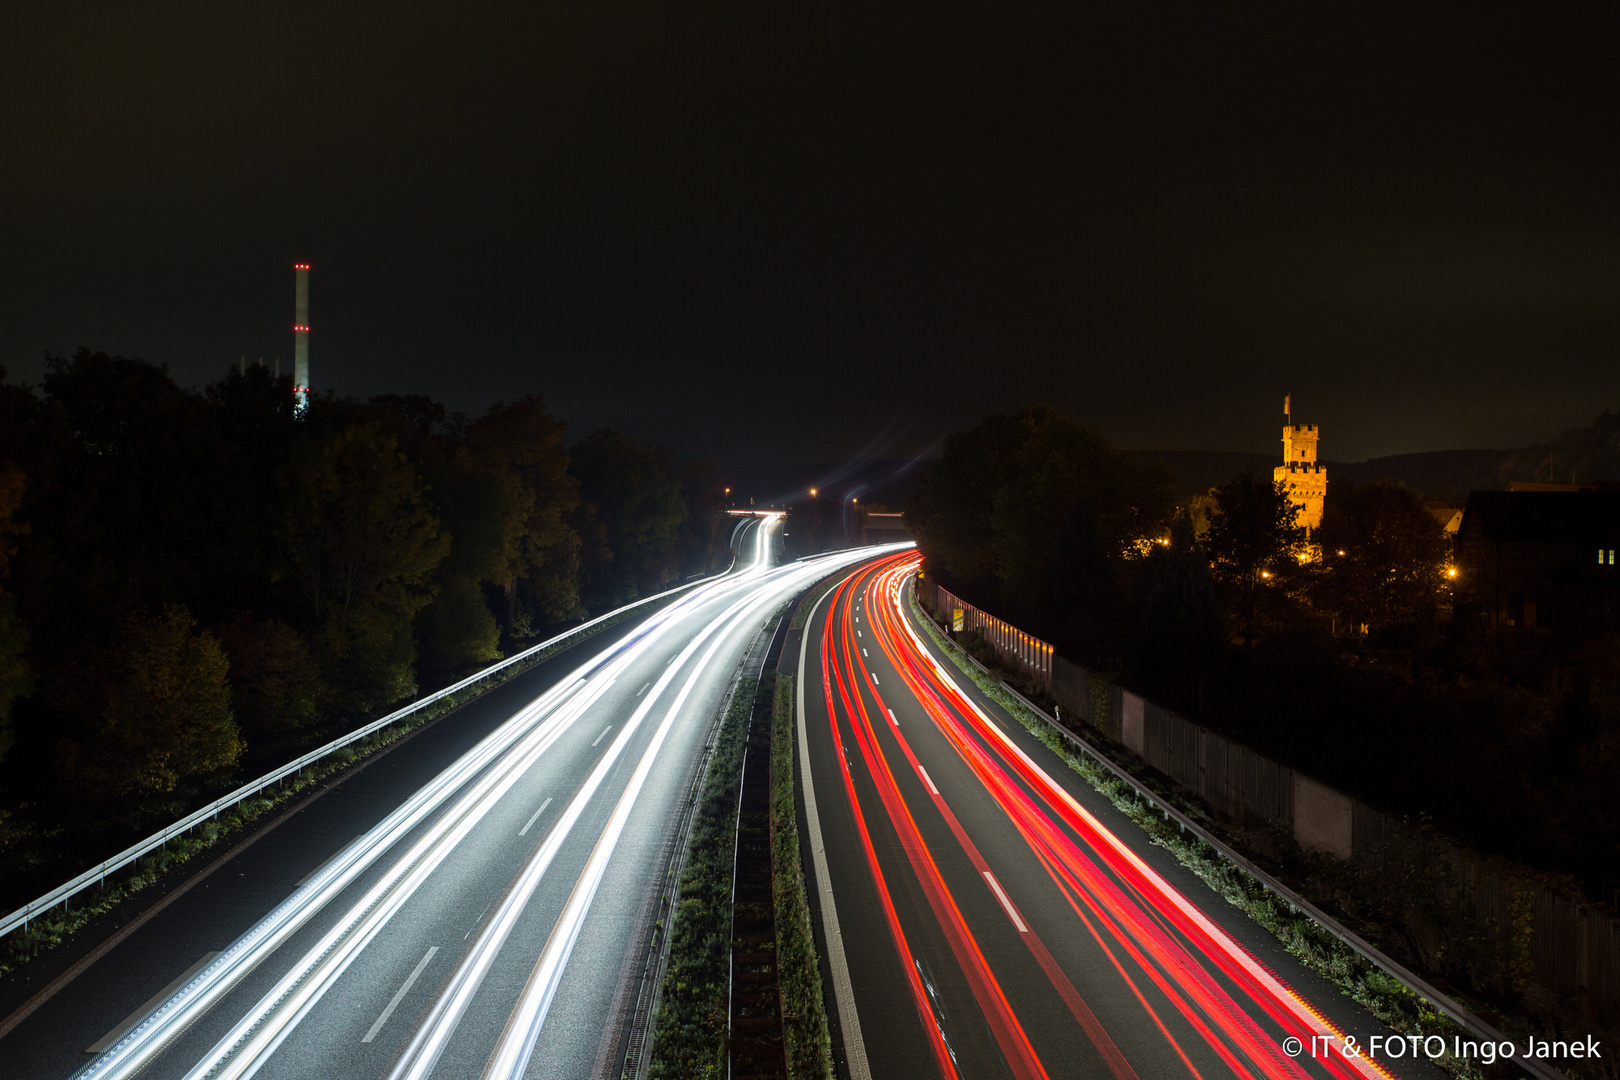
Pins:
x: 151, y: 1037
x: 511, y: 1057
x: 434, y: 1034
x: 466, y: 792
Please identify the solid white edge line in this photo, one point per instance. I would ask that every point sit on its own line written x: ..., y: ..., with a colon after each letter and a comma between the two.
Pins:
x: 535, y: 817
x: 1012, y: 912
x: 929, y: 780
x: 400, y: 995
x: 600, y: 737
x: 843, y: 990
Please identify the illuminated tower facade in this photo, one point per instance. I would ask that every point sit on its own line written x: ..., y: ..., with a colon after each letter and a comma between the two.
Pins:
x: 300, y: 337
x: 1304, y: 476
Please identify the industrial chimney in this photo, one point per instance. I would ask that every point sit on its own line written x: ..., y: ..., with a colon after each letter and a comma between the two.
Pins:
x: 301, y: 338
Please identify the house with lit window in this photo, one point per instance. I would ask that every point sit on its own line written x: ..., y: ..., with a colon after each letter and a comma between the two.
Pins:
x: 1539, y: 561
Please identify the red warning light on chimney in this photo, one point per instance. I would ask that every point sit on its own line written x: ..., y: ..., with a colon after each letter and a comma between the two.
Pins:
x: 300, y: 266
x: 305, y: 329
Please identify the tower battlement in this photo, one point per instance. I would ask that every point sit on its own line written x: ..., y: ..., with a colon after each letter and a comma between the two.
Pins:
x: 1304, y: 476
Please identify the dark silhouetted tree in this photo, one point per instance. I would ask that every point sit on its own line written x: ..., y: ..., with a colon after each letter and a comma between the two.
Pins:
x: 706, y: 528
x: 1177, y: 636
x: 359, y: 537
x: 1041, y: 515
x: 276, y: 687
x: 537, y: 550
x: 951, y: 510
x: 16, y: 680
x: 457, y: 630
x: 154, y: 710
x: 636, y: 496
x: 1070, y: 516
x: 1384, y: 557
x: 1252, y: 539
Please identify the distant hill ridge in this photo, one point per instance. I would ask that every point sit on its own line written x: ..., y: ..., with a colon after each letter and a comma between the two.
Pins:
x: 1439, y: 474
x: 1578, y: 455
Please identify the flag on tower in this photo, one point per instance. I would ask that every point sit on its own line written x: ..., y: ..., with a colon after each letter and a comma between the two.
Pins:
x: 1287, y: 400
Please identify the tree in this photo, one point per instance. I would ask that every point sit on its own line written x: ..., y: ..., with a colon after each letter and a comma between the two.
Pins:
x: 16, y: 680
x: 358, y: 536
x: 706, y: 527
x: 1041, y: 515
x: 951, y: 510
x: 1384, y: 556
x: 1176, y: 633
x: 1252, y: 539
x: 1069, y: 517
x: 520, y: 445
x: 276, y: 686
x: 636, y: 495
x: 154, y: 710
x: 134, y: 518
x: 457, y: 630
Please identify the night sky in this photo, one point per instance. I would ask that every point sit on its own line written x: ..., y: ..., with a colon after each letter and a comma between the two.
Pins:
x: 771, y: 232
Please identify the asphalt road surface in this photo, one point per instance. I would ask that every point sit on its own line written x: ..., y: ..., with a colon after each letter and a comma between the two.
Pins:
x: 476, y: 902
x: 993, y: 915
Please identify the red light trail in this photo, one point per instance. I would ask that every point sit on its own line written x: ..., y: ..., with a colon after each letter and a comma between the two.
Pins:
x: 1189, y: 978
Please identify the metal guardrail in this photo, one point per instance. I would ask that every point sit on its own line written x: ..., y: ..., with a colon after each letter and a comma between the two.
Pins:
x: 1452, y: 1009
x: 97, y: 874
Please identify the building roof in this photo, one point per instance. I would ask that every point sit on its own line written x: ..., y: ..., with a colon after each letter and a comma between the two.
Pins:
x: 1545, y: 516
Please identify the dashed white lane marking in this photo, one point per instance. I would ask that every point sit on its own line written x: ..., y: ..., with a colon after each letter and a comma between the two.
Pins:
x: 400, y: 995
x: 535, y: 817
x: 600, y: 737
x: 874, y: 678
x: 101, y: 1044
x: 926, y: 778
x: 892, y: 720
x: 863, y: 651
x: 643, y: 689
x: 1012, y: 913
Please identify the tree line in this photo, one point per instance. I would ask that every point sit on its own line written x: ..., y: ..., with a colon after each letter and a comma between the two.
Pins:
x: 1333, y: 652
x: 195, y: 581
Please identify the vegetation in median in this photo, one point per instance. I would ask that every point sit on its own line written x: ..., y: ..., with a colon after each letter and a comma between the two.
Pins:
x: 690, y: 1038
x: 804, y: 1017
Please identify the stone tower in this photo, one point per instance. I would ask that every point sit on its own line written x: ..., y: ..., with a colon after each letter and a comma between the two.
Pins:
x: 1305, y: 477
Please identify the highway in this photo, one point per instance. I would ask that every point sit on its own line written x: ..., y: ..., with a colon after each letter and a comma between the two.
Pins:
x: 474, y: 903
x: 992, y: 915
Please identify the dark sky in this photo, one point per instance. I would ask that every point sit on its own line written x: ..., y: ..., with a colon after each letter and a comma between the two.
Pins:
x: 764, y: 231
